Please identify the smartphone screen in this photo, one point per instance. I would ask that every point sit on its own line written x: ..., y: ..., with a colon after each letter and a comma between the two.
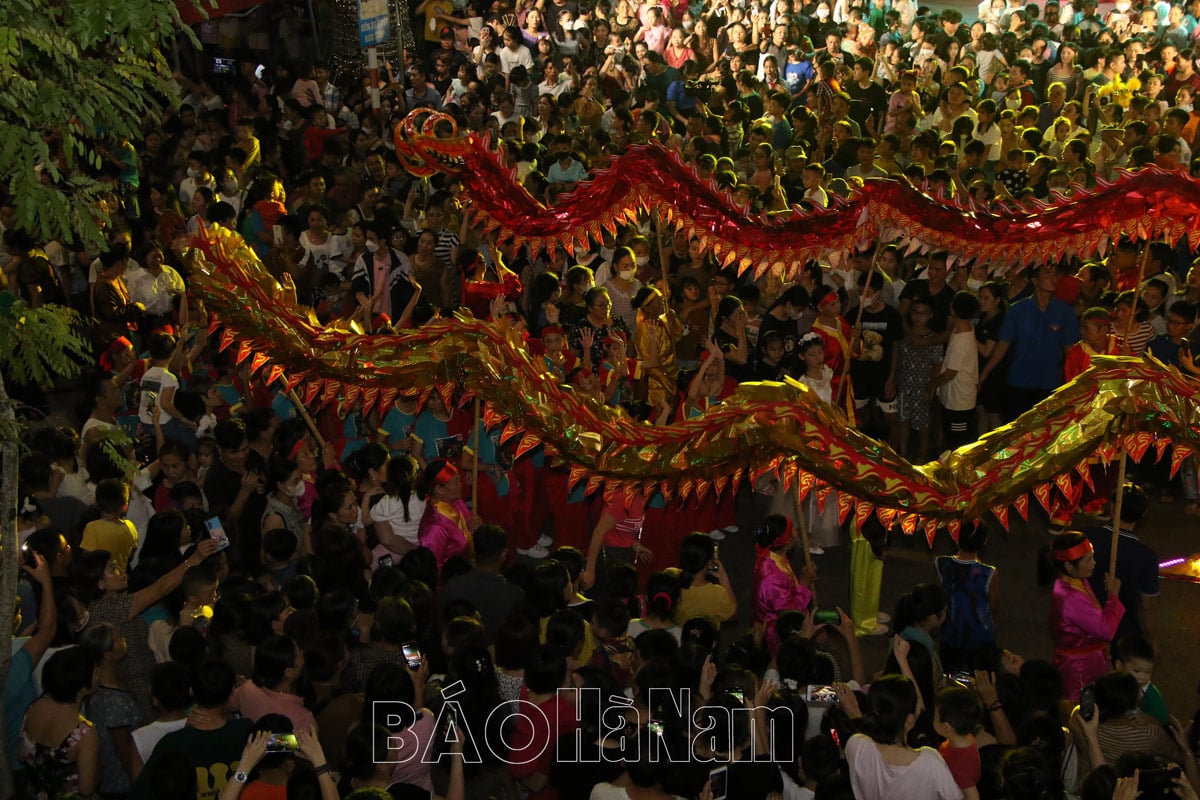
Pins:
x: 718, y: 782
x: 216, y: 532
x: 282, y: 743
x: 413, y: 655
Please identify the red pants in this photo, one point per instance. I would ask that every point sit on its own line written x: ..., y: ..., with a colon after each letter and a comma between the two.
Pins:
x: 573, y: 522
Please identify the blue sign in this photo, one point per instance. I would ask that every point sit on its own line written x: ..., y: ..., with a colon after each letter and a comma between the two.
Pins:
x: 374, y: 24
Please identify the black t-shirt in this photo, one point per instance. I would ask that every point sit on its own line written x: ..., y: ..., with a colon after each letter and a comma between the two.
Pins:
x: 214, y: 753
x: 940, y: 302
x: 788, y: 329
x: 882, y: 330
x: 1137, y: 568
x: 864, y: 103
x: 728, y: 344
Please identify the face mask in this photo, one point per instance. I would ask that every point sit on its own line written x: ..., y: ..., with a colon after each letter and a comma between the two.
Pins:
x: 231, y: 187
x: 822, y: 13
x: 641, y: 261
x: 296, y: 489
x: 626, y: 274
x: 795, y: 315
x: 84, y: 619
x: 372, y: 246
x: 974, y: 284
x: 1013, y: 103
x: 192, y: 172
x: 688, y: 24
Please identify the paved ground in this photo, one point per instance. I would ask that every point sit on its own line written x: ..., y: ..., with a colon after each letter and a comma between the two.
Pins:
x: 1022, y: 621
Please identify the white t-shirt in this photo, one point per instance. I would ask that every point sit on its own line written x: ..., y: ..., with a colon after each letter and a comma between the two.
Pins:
x: 872, y: 778
x: 146, y: 738
x: 959, y: 393
x: 323, y: 257
x: 991, y: 138
x: 391, y: 510
x: 156, y: 380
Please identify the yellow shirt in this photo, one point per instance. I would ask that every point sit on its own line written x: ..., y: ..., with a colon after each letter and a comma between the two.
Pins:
x: 118, y: 537
x: 710, y: 602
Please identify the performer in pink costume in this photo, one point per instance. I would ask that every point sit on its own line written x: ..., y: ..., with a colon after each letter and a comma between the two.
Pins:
x: 776, y: 587
x: 1080, y: 626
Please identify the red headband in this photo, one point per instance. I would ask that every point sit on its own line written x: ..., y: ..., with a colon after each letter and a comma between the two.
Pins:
x: 294, y: 453
x: 106, y: 358
x: 550, y: 330
x: 832, y: 297
x: 785, y: 536
x: 446, y: 474
x: 1074, y: 553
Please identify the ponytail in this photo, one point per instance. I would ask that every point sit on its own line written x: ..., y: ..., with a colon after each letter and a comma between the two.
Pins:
x: 398, y: 482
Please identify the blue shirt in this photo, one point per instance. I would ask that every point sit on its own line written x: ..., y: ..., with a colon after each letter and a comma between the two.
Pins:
x: 429, y: 429
x: 19, y: 694
x: 1166, y: 351
x: 1036, y: 340
x: 399, y: 425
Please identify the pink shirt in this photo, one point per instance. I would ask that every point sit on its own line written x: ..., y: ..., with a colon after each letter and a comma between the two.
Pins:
x: 253, y: 702
x: 630, y: 512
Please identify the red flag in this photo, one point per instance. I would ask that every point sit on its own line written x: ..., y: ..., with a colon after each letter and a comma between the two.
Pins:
x: 1022, y: 506
x: 862, y: 512
x: 1178, y: 455
x: 844, y: 503
x: 1001, y: 513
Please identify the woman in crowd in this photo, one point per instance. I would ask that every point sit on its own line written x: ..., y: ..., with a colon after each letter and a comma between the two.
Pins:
x: 1081, y: 627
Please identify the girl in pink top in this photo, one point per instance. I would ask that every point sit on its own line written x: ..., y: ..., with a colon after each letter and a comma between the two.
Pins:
x: 1080, y: 626
x: 776, y: 586
x: 447, y: 523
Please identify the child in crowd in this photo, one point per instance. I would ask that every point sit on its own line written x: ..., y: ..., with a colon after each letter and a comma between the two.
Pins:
x: 920, y: 355
x: 957, y: 715
x: 972, y: 589
x: 1135, y: 655
x: 112, y: 532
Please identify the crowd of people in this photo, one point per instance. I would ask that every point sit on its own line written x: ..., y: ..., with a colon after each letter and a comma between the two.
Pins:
x: 219, y: 588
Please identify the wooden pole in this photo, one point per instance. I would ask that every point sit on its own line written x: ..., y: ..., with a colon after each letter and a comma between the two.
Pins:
x: 802, y: 517
x: 1119, y: 499
x: 475, y: 463
x: 303, y: 412
x: 843, y: 386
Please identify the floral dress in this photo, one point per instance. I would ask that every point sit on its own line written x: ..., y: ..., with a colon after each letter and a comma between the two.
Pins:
x: 916, y: 368
x: 51, y: 773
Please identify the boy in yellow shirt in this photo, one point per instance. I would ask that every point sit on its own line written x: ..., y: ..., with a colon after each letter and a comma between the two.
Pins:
x: 112, y: 532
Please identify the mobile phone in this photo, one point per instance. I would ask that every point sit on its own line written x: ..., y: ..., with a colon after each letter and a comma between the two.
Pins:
x: 27, y: 556
x: 655, y: 727
x: 1087, y: 702
x: 718, y: 782
x: 820, y: 694
x: 216, y: 532
x: 224, y: 66
x: 386, y: 561
x: 413, y: 655
x: 827, y: 617
x: 962, y: 676
x: 1159, y: 781
x: 737, y: 695
x: 282, y: 743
